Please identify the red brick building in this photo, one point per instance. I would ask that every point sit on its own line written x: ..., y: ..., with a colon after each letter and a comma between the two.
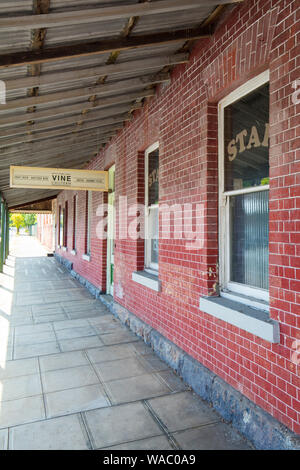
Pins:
x: 220, y: 141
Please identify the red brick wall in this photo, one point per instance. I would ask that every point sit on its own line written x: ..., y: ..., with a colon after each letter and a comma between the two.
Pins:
x: 45, y: 230
x: 251, y: 38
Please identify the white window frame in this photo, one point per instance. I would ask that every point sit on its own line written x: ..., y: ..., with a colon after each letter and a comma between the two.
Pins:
x: 227, y: 286
x: 152, y: 268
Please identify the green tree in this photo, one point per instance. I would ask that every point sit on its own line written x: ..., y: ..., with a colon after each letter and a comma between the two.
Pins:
x: 17, y: 220
x: 29, y: 220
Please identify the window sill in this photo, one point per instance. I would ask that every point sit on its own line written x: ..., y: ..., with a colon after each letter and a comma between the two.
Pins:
x: 242, y: 316
x: 147, y: 280
x: 73, y: 252
x: 86, y: 257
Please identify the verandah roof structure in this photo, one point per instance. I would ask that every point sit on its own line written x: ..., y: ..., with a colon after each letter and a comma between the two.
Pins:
x: 74, y: 71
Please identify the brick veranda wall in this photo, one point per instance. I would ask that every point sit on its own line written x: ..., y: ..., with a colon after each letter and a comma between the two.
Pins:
x: 252, y: 37
x: 45, y: 230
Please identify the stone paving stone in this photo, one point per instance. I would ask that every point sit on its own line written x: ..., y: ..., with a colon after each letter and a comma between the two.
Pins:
x: 152, y: 443
x: 3, y: 439
x: 80, y: 343
x: 64, y: 433
x: 110, y: 353
x: 135, y: 388
x: 122, y: 368
x: 63, y: 361
x: 72, y: 377
x: 20, y: 387
x: 182, y: 411
x: 36, y: 338
x: 70, y: 333
x: 211, y: 437
x: 33, y: 350
x: 10, y: 369
x: 24, y: 410
x: 74, y: 400
x: 118, y: 337
x: 117, y: 424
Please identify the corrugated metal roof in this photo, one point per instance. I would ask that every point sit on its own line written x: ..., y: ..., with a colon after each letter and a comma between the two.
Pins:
x: 48, y: 99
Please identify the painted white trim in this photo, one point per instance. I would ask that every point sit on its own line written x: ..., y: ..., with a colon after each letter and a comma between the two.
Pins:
x: 224, y: 210
x: 73, y: 252
x: 145, y: 280
x: 86, y: 257
x: 64, y: 248
x: 238, y: 315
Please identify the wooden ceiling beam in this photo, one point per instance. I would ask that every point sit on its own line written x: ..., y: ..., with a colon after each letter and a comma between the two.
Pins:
x: 118, y: 115
x: 83, y: 108
x: 85, y: 92
x: 53, y: 54
x: 95, y: 72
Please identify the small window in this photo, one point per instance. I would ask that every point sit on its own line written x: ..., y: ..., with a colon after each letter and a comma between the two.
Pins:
x: 61, y: 226
x: 151, y: 207
x: 74, y: 222
x: 88, y: 222
x: 244, y: 190
x: 65, y: 225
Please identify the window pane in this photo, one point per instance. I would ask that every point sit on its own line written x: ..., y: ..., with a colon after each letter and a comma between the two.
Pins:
x: 153, y: 177
x: 247, y: 141
x: 153, y: 234
x: 249, y: 214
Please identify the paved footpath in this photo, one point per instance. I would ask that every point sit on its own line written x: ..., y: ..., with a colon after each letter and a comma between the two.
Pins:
x: 73, y: 377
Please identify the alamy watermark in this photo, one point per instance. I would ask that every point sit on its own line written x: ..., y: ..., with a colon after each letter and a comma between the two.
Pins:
x: 296, y: 94
x: 184, y: 222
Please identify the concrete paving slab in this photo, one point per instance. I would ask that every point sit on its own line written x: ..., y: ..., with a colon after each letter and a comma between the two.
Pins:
x: 211, y: 437
x: 49, y: 318
x: 20, y: 387
x: 33, y: 329
x: 110, y: 353
x: 152, y: 443
x: 9, y: 369
x: 74, y: 400
x: 172, y: 380
x: 36, y: 338
x: 72, y: 377
x: 152, y: 363
x: 66, y: 324
x: 70, y: 333
x: 135, y: 388
x: 3, y: 439
x: 24, y: 410
x: 63, y: 361
x: 65, y: 433
x: 80, y: 343
x: 32, y: 350
x: 118, y: 424
x: 118, y: 337
x: 119, y: 369
x: 182, y: 411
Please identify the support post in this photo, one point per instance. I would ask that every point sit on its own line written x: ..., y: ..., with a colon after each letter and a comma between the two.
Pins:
x: 2, y: 235
x: 7, y: 234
